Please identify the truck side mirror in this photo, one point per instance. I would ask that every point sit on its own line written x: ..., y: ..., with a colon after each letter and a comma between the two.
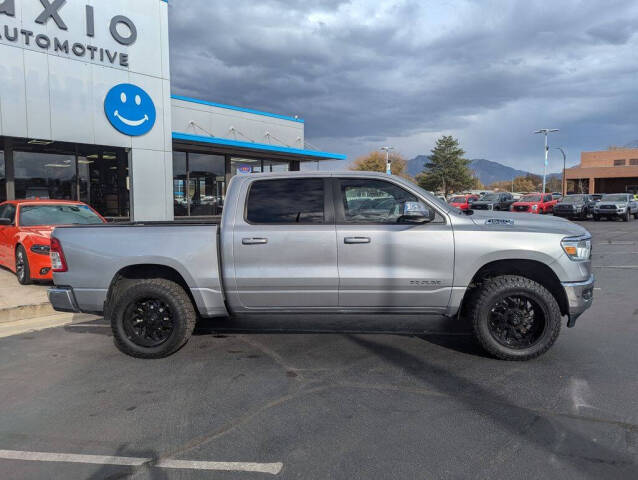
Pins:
x: 5, y: 222
x: 416, y: 212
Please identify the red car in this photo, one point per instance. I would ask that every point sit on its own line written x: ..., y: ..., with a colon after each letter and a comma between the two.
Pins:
x: 25, y: 233
x: 535, y: 203
x: 462, y: 201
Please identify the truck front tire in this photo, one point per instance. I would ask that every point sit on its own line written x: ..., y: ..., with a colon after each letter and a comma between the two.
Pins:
x: 514, y: 318
x: 150, y: 318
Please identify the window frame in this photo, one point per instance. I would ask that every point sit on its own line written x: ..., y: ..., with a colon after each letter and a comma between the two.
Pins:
x: 328, y: 206
x: 340, y: 214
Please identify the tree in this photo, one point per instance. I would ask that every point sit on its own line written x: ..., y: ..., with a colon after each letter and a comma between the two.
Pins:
x: 446, y: 169
x: 375, y: 162
x: 527, y: 183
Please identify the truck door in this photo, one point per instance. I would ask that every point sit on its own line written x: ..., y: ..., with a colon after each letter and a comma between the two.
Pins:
x: 284, y: 246
x: 384, y: 263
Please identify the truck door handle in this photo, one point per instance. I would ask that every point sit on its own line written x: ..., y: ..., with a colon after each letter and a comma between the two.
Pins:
x: 254, y: 241
x: 355, y: 240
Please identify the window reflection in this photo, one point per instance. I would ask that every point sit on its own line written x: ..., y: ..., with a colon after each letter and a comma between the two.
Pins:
x: 198, y: 184
x: 243, y: 166
x: 205, y: 184
x: 103, y: 183
x: 60, y: 171
x: 180, y: 203
x: 43, y: 175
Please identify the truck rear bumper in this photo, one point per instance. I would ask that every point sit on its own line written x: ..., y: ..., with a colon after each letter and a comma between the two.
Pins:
x: 62, y: 299
x: 580, y: 296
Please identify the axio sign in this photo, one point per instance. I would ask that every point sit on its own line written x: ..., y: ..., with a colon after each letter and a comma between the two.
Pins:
x: 121, y: 28
x: 130, y: 109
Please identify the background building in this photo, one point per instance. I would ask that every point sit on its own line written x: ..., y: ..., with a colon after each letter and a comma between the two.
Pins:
x: 86, y: 113
x: 607, y: 171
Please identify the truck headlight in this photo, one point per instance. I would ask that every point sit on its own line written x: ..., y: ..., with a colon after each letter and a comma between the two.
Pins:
x: 534, y: 207
x: 577, y: 249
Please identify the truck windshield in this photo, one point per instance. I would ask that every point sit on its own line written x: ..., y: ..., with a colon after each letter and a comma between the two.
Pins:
x: 614, y: 198
x: 574, y: 199
x: 458, y: 200
x: 490, y: 197
x: 531, y: 198
x: 39, y: 215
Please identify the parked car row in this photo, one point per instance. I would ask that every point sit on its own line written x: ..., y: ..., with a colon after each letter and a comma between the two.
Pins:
x: 575, y: 206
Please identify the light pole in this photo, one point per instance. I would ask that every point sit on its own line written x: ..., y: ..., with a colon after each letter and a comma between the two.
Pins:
x: 388, y: 163
x: 564, y: 168
x: 546, y: 131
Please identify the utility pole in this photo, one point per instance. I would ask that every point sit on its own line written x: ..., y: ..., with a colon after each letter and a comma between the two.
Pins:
x: 388, y: 163
x: 546, y: 131
x: 564, y: 168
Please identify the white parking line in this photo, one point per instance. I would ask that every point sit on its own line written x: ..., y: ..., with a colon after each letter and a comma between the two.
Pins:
x: 271, y: 468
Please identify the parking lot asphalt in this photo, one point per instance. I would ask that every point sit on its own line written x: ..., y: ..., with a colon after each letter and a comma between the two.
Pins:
x: 333, y: 398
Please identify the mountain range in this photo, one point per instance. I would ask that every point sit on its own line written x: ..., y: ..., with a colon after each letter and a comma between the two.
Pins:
x: 486, y: 170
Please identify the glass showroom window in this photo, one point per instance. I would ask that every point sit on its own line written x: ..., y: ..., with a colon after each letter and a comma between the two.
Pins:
x: 242, y: 166
x: 99, y: 177
x: 180, y: 203
x: 104, y: 182
x: 44, y: 175
x: 198, y: 184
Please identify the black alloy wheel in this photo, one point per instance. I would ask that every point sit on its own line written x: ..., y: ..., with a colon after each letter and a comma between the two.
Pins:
x: 513, y: 317
x: 150, y: 317
x: 516, y: 321
x: 149, y: 322
x: 22, y: 266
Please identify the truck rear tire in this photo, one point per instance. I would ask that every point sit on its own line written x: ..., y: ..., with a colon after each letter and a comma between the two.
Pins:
x: 514, y: 318
x: 151, y: 318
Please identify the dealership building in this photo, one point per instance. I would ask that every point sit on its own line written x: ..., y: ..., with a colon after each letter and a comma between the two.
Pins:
x: 86, y: 113
x: 608, y: 171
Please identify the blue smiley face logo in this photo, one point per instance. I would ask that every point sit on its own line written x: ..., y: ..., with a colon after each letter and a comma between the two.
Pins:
x: 130, y: 109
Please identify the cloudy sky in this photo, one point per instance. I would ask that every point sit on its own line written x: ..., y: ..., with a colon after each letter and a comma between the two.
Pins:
x: 364, y: 73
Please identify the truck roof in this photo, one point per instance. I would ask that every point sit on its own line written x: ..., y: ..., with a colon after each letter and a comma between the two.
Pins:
x: 307, y: 173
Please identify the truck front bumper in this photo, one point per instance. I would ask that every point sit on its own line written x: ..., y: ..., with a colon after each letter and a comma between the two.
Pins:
x: 63, y: 299
x: 580, y: 296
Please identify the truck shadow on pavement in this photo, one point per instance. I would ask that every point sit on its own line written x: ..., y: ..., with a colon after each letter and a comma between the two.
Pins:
x: 544, y: 430
x: 446, y: 333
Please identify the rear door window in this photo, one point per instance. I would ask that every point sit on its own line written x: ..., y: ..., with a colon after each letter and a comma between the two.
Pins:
x: 286, y: 201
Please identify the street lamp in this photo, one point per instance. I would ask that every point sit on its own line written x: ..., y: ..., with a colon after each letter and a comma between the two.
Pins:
x: 546, y: 131
x: 388, y: 163
x: 564, y: 168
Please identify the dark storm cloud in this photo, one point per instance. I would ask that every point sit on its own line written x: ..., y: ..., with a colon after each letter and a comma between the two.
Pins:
x: 360, y: 71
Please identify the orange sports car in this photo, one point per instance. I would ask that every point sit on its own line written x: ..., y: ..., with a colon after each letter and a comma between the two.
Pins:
x: 25, y: 233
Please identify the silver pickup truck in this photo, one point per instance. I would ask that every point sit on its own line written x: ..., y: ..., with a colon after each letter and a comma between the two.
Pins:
x: 308, y: 243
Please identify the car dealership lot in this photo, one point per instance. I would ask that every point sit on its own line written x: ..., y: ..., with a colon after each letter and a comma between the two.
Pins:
x: 334, y: 398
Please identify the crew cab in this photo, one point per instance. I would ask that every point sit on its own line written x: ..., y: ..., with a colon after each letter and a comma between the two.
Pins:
x: 535, y: 203
x: 310, y: 243
x: 463, y: 202
x: 494, y: 201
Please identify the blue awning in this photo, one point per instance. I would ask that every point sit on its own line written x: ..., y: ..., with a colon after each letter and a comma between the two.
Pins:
x: 258, y: 147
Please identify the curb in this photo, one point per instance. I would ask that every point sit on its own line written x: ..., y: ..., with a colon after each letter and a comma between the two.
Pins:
x: 24, y: 312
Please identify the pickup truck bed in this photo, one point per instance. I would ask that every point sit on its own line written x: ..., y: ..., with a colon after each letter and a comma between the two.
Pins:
x: 95, y: 254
